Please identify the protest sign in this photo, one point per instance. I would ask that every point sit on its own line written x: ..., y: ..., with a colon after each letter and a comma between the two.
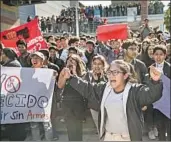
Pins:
x: 163, y: 104
x: 112, y: 31
x: 30, y: 32
x: 26, y: 95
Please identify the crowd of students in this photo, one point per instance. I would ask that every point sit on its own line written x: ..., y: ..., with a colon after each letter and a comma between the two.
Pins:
x: 118, y: 80
x: 91, y: 16
x: 60, y: 24
x: 155, y: 7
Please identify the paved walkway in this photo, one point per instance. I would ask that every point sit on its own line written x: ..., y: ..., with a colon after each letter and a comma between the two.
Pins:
x: 89, y: 130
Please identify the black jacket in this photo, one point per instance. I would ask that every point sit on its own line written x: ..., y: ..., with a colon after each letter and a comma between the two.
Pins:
x: 25, y: 60
x: 89, y: 78
x: 72, y: 102
x: 168, y: 59
x: 89, y: 57
x: 139, y: 95
x: 53, y: 66
x: 60, y: 63
x: 140, y: 69
x: 146, y: 60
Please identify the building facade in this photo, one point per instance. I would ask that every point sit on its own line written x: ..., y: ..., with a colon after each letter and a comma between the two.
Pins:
x: 12, y: 16
x: 46, y: 9
x: 9, y: 16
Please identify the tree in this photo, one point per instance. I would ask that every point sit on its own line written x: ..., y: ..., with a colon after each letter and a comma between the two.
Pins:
x: 167, y: 18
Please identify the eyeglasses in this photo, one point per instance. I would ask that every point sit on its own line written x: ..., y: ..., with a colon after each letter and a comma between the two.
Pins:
x: 114, y: 72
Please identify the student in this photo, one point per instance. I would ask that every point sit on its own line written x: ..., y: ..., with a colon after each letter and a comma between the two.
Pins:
x: 12, y: 132
x: 9, y: 58
x: 130, y: 48
x: 96, y: 75
x: 163, y: 105
x: 113, y: 51
x: 119, y: 101
x: 89, y: 53
x: 53, y: 57
x: 72, y: 101
x: 56, y: 97
x: 72, y: 42
x: 37, y: 60
x: 147, y: 56
x: 24, y: 57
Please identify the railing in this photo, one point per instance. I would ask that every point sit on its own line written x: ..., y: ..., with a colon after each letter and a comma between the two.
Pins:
x: 117, y: 19
x: 91, y: 26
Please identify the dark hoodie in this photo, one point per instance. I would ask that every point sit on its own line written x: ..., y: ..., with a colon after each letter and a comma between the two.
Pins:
x: 89, y: 57
x: 13, y: 62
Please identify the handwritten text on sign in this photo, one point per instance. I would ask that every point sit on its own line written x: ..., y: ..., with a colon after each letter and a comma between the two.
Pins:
x: 26, y: 95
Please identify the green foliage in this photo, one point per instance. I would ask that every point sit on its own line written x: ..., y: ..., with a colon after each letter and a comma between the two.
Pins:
x: 167, y: 19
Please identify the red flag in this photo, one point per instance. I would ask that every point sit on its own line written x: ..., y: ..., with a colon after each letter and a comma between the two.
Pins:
x: 30, y: 32
x: 112, y: 31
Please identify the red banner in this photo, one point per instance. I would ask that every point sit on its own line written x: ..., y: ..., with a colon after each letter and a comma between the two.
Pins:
x: 30, y: 32
x: 112, y: 31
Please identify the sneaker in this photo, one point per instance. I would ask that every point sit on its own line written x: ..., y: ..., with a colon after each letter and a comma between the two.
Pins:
x: 151, y: 135
x: 84, y: 120
x: 155, y: 132
x: 55, y: 138
x: 62, y: 120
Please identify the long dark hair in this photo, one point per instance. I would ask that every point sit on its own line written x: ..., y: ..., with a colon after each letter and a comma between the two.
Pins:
x: 146, y: 59
x: 145, y: 41
x: 80, y: 68
x: 102, y: 59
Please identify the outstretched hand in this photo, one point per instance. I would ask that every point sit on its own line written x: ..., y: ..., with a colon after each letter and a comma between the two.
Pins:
x: 96, y: 75
x: 155, y: 73
x: 66, y: 73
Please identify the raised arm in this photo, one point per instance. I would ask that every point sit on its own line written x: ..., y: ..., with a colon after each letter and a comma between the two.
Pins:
x: 93, y: 92
x: 152, y: 91
x: 87, y: 89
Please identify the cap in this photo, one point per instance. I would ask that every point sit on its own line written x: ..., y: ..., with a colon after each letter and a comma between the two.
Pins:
x: 39, y: 54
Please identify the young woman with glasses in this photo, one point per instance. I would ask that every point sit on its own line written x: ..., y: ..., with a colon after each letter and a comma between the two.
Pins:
x: 119, y: 100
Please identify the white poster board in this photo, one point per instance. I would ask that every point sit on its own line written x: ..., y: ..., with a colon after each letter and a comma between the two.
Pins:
x: 131, y: 14
x: 26, y: 95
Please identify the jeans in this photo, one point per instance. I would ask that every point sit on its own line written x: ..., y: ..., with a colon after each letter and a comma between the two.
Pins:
x: 74, y: 129
x: 36, y: 128
x: 163, y: 126
x: 95, y: 117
